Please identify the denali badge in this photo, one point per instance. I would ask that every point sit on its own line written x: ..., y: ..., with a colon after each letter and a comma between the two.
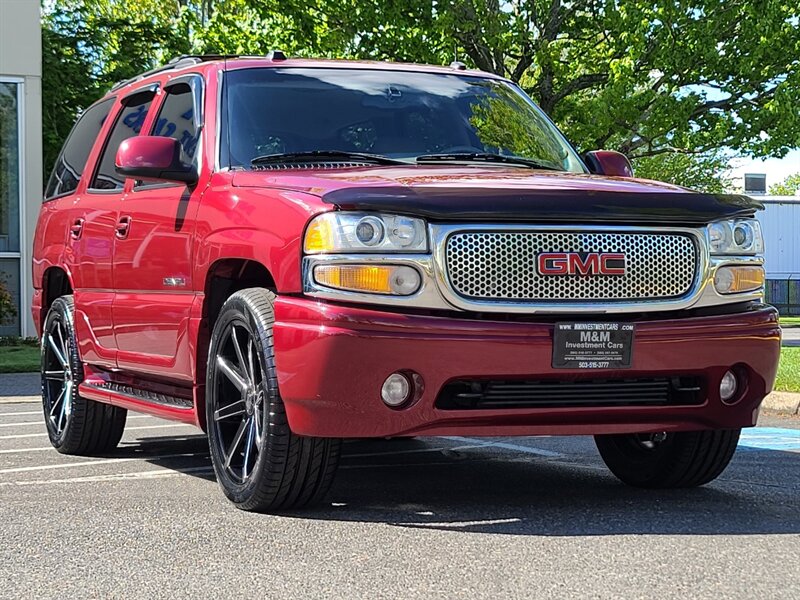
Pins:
x: 174, y: 282
x: 580, y: 263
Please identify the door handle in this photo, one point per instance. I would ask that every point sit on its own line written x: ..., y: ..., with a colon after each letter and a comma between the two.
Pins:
x: 123, y: 227
x: 76, y: 229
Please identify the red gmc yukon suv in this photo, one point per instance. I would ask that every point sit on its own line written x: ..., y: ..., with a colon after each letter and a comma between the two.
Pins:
x: 286, y: 253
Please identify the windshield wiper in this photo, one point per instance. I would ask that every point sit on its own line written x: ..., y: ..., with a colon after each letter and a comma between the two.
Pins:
x: 487, y: 157
x: 322, y: 155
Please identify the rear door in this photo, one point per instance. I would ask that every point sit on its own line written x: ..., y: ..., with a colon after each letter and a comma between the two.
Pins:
x: 92, y: 230
x: 152, y: 259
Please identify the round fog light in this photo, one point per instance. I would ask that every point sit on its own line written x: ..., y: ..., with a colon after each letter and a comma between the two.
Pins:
x: 728, y: 386
x: 396, y: 390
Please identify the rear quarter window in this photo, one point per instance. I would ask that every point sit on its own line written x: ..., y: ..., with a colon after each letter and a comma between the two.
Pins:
x: 71, y: 162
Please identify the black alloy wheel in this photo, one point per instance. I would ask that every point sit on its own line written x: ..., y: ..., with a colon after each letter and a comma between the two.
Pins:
x: 239, y: 419
x: 259, y: 463
x: 75, y: 425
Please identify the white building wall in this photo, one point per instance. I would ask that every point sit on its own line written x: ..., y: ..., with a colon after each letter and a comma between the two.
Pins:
x: 780, y: 222
x: 21, y: 63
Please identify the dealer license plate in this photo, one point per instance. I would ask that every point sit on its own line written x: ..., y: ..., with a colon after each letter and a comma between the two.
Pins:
x: 592, y: 345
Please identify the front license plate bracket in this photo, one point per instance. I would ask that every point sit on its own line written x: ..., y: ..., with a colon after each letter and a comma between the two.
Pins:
x: 588, y: 346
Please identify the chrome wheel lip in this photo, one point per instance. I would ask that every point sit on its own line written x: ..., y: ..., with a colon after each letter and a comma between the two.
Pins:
x: 56, y: 367
x: 238, y: 403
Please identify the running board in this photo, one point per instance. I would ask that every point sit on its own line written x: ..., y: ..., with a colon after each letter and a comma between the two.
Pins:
x: 99, y: 388
x: 145, y: 395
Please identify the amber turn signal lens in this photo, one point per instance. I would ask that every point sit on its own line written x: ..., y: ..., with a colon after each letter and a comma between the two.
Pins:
x: 381, y: 279
x: 736, y: 279
x: 319, y: 237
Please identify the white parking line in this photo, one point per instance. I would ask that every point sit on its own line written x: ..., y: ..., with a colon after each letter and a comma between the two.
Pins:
x: 90, y: 463
x: 506, y: 446
x: 478, y: 444
x: 444, y: 524
x: 154, y: 474
x: 31, y: 423
x: 16, y: 450
x: 127, y: 429
x: 39, y: 413
x: 370, y: 454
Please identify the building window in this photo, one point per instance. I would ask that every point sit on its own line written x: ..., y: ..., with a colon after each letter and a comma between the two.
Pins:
x: 9, y: 168
x: 10, y: 197
x: 755, y: 183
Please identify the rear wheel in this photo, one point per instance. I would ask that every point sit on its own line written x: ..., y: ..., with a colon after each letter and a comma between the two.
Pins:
x: 668, y: 460
x: 75, y: 425
x: 259, y: 463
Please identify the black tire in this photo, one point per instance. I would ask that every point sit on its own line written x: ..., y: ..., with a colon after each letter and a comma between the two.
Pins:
x: 75, y: 425
x: 668, y: 460
x: 275, y: 469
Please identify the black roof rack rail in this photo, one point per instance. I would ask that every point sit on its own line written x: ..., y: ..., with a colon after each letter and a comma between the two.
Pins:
x: 185, y: 60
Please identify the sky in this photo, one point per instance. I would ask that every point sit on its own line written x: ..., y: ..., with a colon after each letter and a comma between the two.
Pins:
x: 776, y: 169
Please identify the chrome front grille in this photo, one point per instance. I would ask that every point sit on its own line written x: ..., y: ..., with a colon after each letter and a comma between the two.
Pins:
x: 501, y: 266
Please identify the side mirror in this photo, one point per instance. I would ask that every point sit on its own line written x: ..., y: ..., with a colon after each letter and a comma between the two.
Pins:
x: 154, y: 158
x: 608, y: 162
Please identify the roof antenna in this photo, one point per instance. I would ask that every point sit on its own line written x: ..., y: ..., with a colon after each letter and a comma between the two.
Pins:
x: 456, y: 64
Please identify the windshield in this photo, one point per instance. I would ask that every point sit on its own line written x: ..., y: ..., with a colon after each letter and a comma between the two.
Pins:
x: 396, y: 114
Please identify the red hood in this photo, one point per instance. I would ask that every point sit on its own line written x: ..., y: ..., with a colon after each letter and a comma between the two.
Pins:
x: 320, y: 182
x: 486, y: 194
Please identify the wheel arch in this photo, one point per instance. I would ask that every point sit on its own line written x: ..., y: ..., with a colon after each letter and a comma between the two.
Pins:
x: 56, y: 282
x: 225, y: 277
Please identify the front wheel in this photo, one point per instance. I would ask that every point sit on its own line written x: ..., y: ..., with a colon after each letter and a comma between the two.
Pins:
x: 668, y: 460
x: 259, y: 463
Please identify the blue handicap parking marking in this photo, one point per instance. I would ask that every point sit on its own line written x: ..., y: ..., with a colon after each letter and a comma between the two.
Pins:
x: 770, y: 438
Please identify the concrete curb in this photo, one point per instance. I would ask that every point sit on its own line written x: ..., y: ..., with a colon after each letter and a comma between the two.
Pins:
x: 787, y: 403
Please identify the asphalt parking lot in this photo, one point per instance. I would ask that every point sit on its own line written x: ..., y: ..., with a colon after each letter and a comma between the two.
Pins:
x: 424, y: 518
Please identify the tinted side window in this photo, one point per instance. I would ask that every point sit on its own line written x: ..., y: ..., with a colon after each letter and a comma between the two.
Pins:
x: 176, y: 120
x: 129, y: 123
x: 72, y: 160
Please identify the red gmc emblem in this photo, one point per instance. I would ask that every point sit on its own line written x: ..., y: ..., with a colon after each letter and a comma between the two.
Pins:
x: 580, y: 263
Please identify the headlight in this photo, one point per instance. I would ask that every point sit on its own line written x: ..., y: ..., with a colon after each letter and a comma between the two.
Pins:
x: 362, y: 232
x: 740, y: 237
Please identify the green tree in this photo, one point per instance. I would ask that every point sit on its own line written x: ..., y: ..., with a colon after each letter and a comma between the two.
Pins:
x: 701, y: 172
x: 787, y: 187
x: 645, y: 78
x: 89, y: 45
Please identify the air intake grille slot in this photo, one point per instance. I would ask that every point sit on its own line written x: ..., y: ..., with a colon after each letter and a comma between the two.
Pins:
x: 498, y: 394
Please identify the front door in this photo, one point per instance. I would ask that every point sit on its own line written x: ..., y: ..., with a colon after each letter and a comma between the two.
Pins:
x: 153, y: 255
x: 91, y: 233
